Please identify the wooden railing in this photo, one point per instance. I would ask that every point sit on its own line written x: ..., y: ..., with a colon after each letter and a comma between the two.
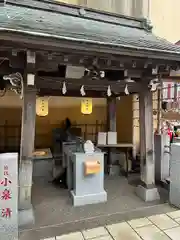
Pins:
x: 10, y: 135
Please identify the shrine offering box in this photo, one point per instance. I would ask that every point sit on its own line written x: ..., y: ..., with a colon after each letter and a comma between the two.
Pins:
x: 92, y: 167
x: 86, y: 175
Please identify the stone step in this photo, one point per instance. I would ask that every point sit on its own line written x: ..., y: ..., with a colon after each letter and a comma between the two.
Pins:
x: 26, y: 217
x: 65, y: 228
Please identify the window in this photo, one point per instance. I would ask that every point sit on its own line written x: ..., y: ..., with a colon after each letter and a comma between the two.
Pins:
x: 114, y: 6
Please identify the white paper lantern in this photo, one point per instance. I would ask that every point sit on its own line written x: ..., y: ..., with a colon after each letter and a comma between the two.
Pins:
x: 42, y: 106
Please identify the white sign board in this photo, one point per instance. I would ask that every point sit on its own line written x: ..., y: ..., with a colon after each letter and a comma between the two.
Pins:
x: 9, y: 196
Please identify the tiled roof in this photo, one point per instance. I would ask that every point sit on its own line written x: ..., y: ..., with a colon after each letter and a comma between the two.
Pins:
x: 79, y: 28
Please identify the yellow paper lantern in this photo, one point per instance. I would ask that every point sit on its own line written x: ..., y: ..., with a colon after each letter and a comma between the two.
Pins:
x: 42, y: 106
x: 86, y: 106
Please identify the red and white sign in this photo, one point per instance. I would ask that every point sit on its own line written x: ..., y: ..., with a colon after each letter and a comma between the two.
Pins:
x: 8, y: 195
x: 171, y: 92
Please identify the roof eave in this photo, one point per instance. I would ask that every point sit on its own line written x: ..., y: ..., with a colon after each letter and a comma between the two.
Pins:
x: 51, y: 42
x: 74, y: 10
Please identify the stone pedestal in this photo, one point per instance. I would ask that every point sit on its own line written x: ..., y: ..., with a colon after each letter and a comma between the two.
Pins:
x: 175, y: 175
x: 25, y: 187
x: 25, y: 184
x: 147, y: 191
x: 25, y: 217
x: 87, y: 188
x: 162, y: 156
x: 146, y: 194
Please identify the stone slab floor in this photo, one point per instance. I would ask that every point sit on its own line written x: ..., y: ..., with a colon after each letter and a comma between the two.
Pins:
x: 156, y: 227
x: 53, y: 206
x: 55, y: 215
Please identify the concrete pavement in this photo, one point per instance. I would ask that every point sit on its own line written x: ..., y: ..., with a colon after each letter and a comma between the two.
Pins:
x: 156, y: 227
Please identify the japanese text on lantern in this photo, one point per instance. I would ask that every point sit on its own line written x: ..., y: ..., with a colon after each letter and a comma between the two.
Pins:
x: 5, y: 194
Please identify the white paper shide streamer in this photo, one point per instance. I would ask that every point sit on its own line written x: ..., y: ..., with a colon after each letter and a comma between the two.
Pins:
x: 126, y: 90
x: 109, y: 93
x: 82, y: 91
x: 64, y: 89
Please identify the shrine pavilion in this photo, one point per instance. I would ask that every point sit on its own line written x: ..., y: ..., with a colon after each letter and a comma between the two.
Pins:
x: 109, y: 56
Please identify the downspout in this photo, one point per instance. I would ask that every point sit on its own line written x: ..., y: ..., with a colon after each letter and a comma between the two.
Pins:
x: 148, y: 10
x: 159, y: 106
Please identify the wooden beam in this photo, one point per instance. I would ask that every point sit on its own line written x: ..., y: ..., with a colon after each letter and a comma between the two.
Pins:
x: 49, y: 60
x: 75, y: 93
x: 103, y: 61
x: 89, y: 84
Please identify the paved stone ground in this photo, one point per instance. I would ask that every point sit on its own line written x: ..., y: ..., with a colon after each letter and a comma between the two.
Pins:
x: 156, y: 227
x: 55, y: 215
x: 53, y: 205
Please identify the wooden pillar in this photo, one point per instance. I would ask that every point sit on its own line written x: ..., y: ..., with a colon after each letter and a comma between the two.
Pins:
x: 111, y: 114
x: 111, y: 127
x: 135, y: 126
x: 28, y: 124
x: 27, y: 135
x: 147, y: 190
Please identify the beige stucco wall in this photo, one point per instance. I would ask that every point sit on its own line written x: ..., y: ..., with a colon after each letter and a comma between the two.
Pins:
x: 12, y: 100
x: 59, y: 109
x: 165, y: 18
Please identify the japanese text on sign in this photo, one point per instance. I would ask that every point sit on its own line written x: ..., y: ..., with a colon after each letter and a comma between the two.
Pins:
x: 6, y: 193
x: 9, y: 196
